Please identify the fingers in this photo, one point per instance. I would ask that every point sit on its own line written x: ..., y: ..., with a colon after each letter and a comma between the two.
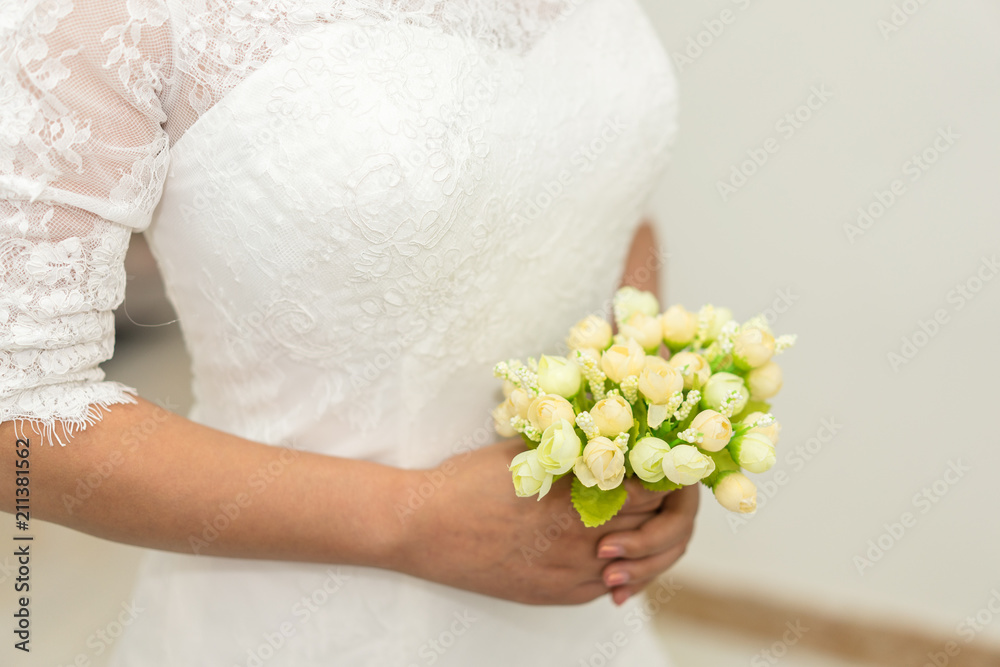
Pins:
x: 635, y: 574
x: 671, y: 526
x: 640, y: 499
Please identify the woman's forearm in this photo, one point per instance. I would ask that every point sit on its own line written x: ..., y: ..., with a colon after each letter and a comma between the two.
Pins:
x: 642, y: 266
x: 148, y: 477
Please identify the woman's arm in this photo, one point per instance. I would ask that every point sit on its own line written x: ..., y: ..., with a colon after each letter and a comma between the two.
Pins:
x: 148, y: 477
x: 145, y: 476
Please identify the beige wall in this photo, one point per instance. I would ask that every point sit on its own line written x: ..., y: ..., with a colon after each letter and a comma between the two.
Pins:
x: 854, y: 296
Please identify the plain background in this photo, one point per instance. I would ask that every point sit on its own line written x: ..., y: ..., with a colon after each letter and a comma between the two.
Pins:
x: 855, y: 299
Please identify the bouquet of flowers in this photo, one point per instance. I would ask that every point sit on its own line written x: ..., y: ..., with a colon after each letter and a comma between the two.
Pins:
x: 614, y: 407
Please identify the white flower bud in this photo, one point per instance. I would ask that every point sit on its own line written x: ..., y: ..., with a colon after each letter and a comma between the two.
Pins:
x: 772, y: 431
x: 717, y: 389
x: 620, y: 361
x: 602, y: 463
x: 646, y: 457
x: 612, y: 415
x: 590, y: 332
x: 644, y: 329
x: 559, y: 375
x: 548, y: 409
x: 685, y: 465
x: 560, y: 447
x: 529, y: 475
x: 753, y: 347
x: 698, y: 369
x: 765, y: 382
x: 678, y: 327
x: 501, y: 420
x: 658, y: 380
x: 630, y: 300
x: 736, y: 493
x: 715, y: 428
x: 719, y: 318
x: 753, y: 451
x: 519, y: 400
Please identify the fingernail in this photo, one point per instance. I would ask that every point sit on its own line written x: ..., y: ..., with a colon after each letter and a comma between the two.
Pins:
x: 610, y: 551
x: 616, y: 578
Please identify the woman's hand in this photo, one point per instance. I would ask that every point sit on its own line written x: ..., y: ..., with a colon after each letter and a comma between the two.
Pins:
x: 642, y: 555
x: 473, y: 533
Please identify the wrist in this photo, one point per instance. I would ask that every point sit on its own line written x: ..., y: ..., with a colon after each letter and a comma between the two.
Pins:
x: 396, y: 530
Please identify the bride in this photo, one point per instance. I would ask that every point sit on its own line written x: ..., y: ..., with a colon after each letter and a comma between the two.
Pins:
x: 358, y: 207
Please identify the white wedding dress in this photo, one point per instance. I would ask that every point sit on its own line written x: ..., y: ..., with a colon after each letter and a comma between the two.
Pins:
x: 358, y: 207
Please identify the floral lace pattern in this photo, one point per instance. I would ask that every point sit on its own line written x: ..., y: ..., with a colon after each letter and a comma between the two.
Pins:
x: 450, y: 125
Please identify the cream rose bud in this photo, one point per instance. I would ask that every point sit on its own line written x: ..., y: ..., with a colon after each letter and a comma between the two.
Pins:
x: 630, y: 300
x: 559, y: 375
x: 719, y: 318
x: 547, y: 409
x: 753, y: 451
x: 645, y: 329
x: 501, y: 420
x: 717, y: 389
x: 591, y: 331
x: 620, y: 361
x: 658, y: 380
x: 716, y: 430
x: 736, y: 493
x: 560, y: 447
x: 698, y: 369
x: 753, y: 347
x: 772, y: 431
x: 612, y: 415
x: 646, y: 458
x: 765, y: 382
x: 508, y: 387
x: 685, y: 465
x: 678, y: 326
x: 529, y: 475
x: 519, y: 401
x: 602, y: 463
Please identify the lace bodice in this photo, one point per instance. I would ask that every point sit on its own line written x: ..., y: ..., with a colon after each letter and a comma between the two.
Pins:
x: 376, y: 197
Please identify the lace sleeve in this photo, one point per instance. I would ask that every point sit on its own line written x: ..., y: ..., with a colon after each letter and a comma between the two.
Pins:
x: 83, y: 157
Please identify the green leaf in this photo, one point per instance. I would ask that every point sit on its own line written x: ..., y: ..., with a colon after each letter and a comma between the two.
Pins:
x: 595, y: 506
x: 663, y: 485
x: 529, y: 443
